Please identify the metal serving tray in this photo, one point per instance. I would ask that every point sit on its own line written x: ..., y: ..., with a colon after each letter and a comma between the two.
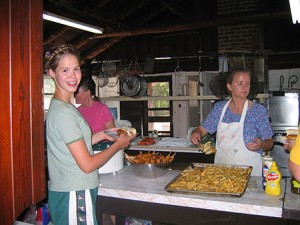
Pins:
x: 219, y: 180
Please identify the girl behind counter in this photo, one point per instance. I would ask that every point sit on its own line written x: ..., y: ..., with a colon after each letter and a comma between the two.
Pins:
x: 95, y: 112
x: 73, y: 183
x: 242, y: 126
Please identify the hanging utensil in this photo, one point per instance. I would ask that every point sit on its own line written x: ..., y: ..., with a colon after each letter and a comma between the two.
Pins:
x: 281, y: 82
x: 134, y: 86
x: 112, y: 82
x: 178, y: 70
x: 218, y: 86
x: 199, y: 83
x: 102, y: 79
x: 109, y: 68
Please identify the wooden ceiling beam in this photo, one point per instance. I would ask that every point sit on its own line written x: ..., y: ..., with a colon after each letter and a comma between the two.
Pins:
x: 103, y: 47
x: 98, y: 49
x: 81, y: 41
x: 178, y: 10
x: 128, y: 11
x: 56, y: 35
x: 258, y: 18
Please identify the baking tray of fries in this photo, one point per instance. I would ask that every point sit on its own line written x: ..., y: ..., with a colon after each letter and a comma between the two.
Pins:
x: 211, y: 179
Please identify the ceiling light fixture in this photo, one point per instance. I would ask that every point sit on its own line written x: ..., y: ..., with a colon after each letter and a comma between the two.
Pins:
x: 162, y: 58
x: 295, y: 10
x: 72, y: 23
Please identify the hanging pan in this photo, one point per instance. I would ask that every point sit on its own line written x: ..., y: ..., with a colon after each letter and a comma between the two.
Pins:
x: 109, y: 68
x: 218, y: 86
x: 134, y: 86
x: 102, y: 79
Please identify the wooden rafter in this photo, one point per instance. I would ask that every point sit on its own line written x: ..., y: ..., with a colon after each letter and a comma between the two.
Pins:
x: 176, y: 9
x: 56, y: 35
x: 198, y: 25
x: 101, y: 48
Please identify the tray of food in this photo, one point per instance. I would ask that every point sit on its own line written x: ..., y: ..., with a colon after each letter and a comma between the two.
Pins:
x: 147, y: 141
x: 211, y: 179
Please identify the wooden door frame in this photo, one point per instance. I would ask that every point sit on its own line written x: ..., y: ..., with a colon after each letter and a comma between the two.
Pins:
x: 22, y: 161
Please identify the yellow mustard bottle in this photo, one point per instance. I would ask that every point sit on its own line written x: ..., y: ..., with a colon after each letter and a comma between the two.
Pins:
x: 273, y: 180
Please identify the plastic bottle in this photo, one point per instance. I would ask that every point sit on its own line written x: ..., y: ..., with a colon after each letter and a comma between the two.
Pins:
x: 295, y: 186
x: 273, y: 180
x: 267, y: 162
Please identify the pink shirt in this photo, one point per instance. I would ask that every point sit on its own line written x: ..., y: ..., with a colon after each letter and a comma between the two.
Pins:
x: 96, y: 115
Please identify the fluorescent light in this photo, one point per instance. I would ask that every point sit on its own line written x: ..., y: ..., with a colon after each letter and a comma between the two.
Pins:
x: 163, y: 58
x: 295, y: 10
x: 72, y: 23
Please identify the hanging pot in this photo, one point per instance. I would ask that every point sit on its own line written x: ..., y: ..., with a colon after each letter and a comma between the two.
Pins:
x: 218, y: 86
x: 134, y: 86
x: 102, y: 80
x: 109, y: 68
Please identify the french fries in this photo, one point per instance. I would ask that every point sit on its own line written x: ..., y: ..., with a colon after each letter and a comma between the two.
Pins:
x: 218, y: 179
x: 150, y: 158
x: 207, y: 148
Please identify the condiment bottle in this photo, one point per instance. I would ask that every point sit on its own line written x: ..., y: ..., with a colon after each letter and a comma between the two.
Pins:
x: 267, y: 162
x: 295, y: 186
x: 273, y: 180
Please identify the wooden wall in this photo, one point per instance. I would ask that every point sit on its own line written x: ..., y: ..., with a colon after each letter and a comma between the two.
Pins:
x: 22, y: 166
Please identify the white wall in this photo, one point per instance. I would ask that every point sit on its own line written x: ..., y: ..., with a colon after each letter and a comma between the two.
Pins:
x: 274, y: 79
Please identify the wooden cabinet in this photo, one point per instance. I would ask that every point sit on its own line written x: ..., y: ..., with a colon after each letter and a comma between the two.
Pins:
x: 22, y: 158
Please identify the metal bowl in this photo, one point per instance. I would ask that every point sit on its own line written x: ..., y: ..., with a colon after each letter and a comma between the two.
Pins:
x: 150, y: 171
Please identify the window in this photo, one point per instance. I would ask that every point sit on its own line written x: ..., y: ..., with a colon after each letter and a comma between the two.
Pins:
x: 147, y: 116
x: 49, y: 89
x: 158, y: 114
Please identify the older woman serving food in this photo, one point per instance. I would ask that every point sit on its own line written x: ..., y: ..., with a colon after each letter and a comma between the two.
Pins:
x: 242, y: 126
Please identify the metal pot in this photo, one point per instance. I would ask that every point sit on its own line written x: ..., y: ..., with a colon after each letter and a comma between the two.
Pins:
x: 150, y: 171
x: 134, y: 86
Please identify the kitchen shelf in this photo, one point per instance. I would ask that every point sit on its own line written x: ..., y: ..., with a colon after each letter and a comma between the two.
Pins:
x: 261, y: 98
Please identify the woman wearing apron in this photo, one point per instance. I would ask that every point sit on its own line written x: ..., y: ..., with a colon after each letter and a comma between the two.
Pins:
x: 242, y: 126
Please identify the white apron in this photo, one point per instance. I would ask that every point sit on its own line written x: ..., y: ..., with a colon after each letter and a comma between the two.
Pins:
x: 230, y: 145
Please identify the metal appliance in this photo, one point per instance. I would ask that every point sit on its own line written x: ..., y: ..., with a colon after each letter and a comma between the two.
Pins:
x: 284, y: 111
x: 284, y: 114
x: 115, y: 164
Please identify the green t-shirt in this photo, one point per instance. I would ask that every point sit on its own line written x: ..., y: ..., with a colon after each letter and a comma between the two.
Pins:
x: 65, y: 125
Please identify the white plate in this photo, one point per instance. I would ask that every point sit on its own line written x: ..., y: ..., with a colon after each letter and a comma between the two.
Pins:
x: 113, y: 134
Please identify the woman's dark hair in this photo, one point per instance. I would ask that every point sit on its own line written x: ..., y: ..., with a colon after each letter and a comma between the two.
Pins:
x: 235, y: 71
x: 53, y: 56
x: 87, y: 83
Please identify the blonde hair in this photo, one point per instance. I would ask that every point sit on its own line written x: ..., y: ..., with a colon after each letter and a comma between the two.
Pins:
x: 53, y: 56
